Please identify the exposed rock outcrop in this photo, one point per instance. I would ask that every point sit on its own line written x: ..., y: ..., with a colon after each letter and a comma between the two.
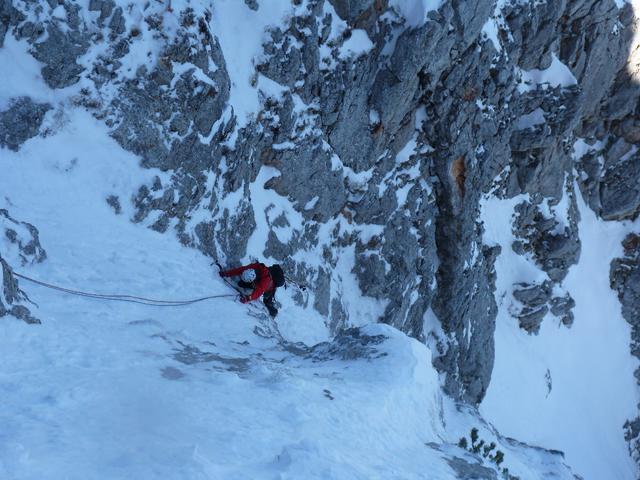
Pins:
x: 21, y: 121
x: 625, y: 280
x: 9, y: 16
x: 23, y: 247
x: 12, y: 299
x: 537, y: 300
x: 23, y: 239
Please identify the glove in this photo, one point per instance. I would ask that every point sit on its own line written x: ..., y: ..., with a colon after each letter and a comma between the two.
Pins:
x: 244, y: 299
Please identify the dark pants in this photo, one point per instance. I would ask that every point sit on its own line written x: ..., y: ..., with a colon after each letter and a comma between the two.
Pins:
x: 267, y: 298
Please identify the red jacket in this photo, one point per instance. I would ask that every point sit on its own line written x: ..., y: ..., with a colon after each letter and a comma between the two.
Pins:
x: 263, y: 278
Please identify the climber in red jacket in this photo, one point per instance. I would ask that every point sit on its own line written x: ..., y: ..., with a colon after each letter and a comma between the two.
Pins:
x: 262, y: 279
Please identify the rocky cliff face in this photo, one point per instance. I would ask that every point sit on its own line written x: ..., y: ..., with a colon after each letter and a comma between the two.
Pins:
x: 625, y: 280
x: 22, y: 246
x: 375, y: 139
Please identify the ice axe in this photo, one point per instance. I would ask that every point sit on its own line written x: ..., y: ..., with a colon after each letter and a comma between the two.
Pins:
x: 301, y: 287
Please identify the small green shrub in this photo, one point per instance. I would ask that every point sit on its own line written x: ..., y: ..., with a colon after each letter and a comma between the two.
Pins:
x: 480, y: 447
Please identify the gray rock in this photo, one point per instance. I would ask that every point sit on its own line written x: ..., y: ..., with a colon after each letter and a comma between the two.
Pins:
x: 117, y: 24
x: 359, y: 13
x: 322, y: 291
x: 105, y: 7
x: 28, y: 246
x: 620, y: 187
x: 21, y: 121
x: 530, y: 319
x: 114, y: 202
x: 349, y: 344
x: 610, y: 179
x: 467, y: 468
x: 30, y: 30
x: 234, y: 231
x: 11, y: 292
x: 345, y: 115
x: 12, y: 298
x: 562, y: 307
x: 143, y: 105
x: 554, y: 247
x: 308, y: 180
x: 95, y: 5
x: 252, y: 4
x: 59, y: 52
x: 624, y: 278
x: 533, y: 295
x: 9, y: 16
x: 537, y: 301
x: 23, y: 313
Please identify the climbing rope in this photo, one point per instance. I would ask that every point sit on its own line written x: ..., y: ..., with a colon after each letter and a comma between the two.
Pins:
x: 122, y: 298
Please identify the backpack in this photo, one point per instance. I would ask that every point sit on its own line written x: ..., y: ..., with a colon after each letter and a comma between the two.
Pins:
x: 277, y: 275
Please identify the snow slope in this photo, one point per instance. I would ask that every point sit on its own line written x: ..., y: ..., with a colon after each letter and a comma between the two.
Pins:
x: 568, y: 389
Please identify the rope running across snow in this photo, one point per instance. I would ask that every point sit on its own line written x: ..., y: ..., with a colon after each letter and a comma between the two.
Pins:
x: 123, y: 298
